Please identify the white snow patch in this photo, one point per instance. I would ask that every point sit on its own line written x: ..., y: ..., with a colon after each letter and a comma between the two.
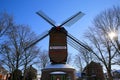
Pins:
x: 58, y: 66
x: 58, y: 72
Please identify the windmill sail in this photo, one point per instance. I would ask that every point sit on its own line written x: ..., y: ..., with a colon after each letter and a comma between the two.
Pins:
x: 70, y: 21
x: 46, y: 18
x: 74, y: 42
x: 40, y: 37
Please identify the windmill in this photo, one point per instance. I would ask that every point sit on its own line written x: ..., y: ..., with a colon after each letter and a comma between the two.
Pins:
x: 59, y: 37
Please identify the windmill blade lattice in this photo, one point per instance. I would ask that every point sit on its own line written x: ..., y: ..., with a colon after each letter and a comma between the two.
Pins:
x: 75, y: 43
x: 70, y: 21
x: 46, y: 18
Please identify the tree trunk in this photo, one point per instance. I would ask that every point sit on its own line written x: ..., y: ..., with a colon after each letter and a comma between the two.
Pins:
x: 109, y: 75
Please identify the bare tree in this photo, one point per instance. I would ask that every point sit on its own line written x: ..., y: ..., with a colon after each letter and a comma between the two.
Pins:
x: 69, y: 58
x: 43, y: 59
x: 83, y: 58
x: 13, y: 54
x: 100, y: 43
x: 6, y: 21
x: 79, y: 63
x: 30, y: 57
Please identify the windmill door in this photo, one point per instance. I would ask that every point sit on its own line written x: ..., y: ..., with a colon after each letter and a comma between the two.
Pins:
x: 58, y: 76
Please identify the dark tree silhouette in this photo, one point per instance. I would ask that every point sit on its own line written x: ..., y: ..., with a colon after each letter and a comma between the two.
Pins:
x: 13, y: 54
x: 104, y: 49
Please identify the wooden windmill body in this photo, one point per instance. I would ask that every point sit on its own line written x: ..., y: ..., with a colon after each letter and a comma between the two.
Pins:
x: 58, y: 45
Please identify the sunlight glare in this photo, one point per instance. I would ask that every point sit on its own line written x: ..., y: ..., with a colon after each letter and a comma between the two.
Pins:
x: 112, y: 35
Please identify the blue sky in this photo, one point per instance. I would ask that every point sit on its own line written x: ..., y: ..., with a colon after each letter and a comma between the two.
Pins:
x: 24, y: 12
